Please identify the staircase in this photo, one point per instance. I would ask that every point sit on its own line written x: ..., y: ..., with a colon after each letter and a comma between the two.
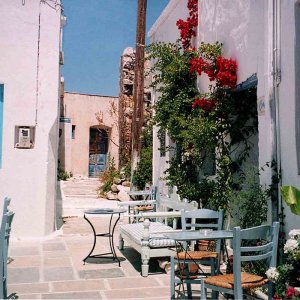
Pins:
x: 79, y: 194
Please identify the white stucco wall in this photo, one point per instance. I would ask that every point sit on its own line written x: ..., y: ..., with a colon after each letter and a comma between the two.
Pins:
x: 287, y: 115
x: 31, y: 85
x: 245, y: 28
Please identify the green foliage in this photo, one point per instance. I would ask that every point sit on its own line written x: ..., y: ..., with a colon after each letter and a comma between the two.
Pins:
x: 143, y: 172
x: 127, y: 170
x: 172, y: 78
x: 108, y: 176
x: 291, y: 195
x: 211, y: 51
x: 250, y: 204
x: 63, y: 175
x: 202, y: 137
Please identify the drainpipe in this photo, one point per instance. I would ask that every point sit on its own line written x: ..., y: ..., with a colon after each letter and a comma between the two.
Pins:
x: 276, y: 80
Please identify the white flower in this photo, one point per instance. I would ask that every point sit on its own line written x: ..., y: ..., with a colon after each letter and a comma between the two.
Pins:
x: 294, y: 233
x: 272, y: 274
x: 290, y: 245
x: 186, y: 154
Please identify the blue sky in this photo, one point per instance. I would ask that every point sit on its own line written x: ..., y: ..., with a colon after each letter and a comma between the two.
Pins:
x: 96, y: 33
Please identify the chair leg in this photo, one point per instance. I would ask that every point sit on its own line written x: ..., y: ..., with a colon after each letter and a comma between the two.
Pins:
x: 238, y: 292
x: 203, y: 290
x: 270, y: 290
x: 189, y: 290
x: 121, y: 242
x: 172, y: 278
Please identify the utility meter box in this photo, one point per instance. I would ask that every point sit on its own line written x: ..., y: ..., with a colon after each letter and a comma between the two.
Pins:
x: 24, y: 137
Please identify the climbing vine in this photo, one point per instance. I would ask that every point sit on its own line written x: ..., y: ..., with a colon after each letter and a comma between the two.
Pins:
x: 208, y: 127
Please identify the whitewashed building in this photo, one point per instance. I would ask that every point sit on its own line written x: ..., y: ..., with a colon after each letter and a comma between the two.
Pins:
x: 264, y: 38
x: 30, y: 50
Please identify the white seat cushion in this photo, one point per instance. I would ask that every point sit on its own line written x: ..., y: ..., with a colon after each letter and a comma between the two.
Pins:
x: 156, y: 240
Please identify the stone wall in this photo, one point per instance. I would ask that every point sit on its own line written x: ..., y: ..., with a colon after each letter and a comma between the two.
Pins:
x: 126, y: 103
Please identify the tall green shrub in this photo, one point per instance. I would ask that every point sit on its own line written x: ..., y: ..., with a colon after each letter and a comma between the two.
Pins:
x: 143, y: 172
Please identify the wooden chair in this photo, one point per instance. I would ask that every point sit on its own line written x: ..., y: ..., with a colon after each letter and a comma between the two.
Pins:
x: 239, y: 281
x: 7, y: 218
x: 199, y: 219
x: 148, y: 206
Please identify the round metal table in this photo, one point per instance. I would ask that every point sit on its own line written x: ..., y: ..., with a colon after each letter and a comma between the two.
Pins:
x: 109, y: 234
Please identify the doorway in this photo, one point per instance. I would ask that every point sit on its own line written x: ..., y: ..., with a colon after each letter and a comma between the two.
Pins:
x: 98, y: 150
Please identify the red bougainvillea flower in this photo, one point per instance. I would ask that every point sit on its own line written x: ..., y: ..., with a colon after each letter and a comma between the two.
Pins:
x: 226, y: 72
x: 187, y: 28
x: 276, y: 297
x: 205, y: 104
x: 199, y: 65
x: 290, y: 292
x: 192, y: 5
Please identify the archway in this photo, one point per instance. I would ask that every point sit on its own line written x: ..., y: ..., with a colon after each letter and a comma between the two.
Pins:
x: 98, y: 150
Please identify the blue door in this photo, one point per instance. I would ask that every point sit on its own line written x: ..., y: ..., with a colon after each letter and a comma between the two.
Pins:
x: 98, y: 151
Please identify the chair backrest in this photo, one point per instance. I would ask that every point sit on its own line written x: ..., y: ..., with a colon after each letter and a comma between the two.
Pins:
x: 153, y: 192
x: 265, y: 239
x: 203, y: 219
x: 166, y: 203
x: 5, y: 205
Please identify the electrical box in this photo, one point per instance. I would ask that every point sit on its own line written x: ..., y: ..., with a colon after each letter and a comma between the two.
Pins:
x: 24, y: 137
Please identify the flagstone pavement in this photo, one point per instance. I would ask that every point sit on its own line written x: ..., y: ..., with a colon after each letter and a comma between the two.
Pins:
x: 52, y: 267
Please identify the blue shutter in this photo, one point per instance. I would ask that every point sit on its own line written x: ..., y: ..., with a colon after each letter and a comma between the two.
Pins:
x: 1, y: 121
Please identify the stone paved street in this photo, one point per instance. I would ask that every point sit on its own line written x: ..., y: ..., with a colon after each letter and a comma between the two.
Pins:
x: 52, y: 267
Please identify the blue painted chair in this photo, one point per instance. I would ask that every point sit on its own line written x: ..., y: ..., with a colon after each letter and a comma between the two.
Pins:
x: 188, y: 261
x: 239, y: 281
x: 5, y: 229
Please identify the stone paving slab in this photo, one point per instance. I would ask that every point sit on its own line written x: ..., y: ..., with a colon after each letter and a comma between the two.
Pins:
x: 58, y: 274
x: 23, y: 275
x: 28, y: 288
x: 105, y: 273
x: 29, y: 296
x: 21, y: 251
x: 72, y: 295
x: 79, y: 285
x: 26, y: 261
x: 57, y: 262
x: 134, y: 293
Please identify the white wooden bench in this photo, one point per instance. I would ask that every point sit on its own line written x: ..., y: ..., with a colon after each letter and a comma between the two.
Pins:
x: 147, y: 237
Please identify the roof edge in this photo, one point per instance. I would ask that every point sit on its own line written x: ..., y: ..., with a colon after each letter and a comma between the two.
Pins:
x: 163, y: 16
x: 92, y: 95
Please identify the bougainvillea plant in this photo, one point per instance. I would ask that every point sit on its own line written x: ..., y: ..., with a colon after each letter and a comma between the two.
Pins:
x: 206, y: 128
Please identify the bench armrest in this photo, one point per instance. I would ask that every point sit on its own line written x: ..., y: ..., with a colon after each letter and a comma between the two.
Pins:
x: 138, y: 202
x: 161, y: 214
x: 157, y: 214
